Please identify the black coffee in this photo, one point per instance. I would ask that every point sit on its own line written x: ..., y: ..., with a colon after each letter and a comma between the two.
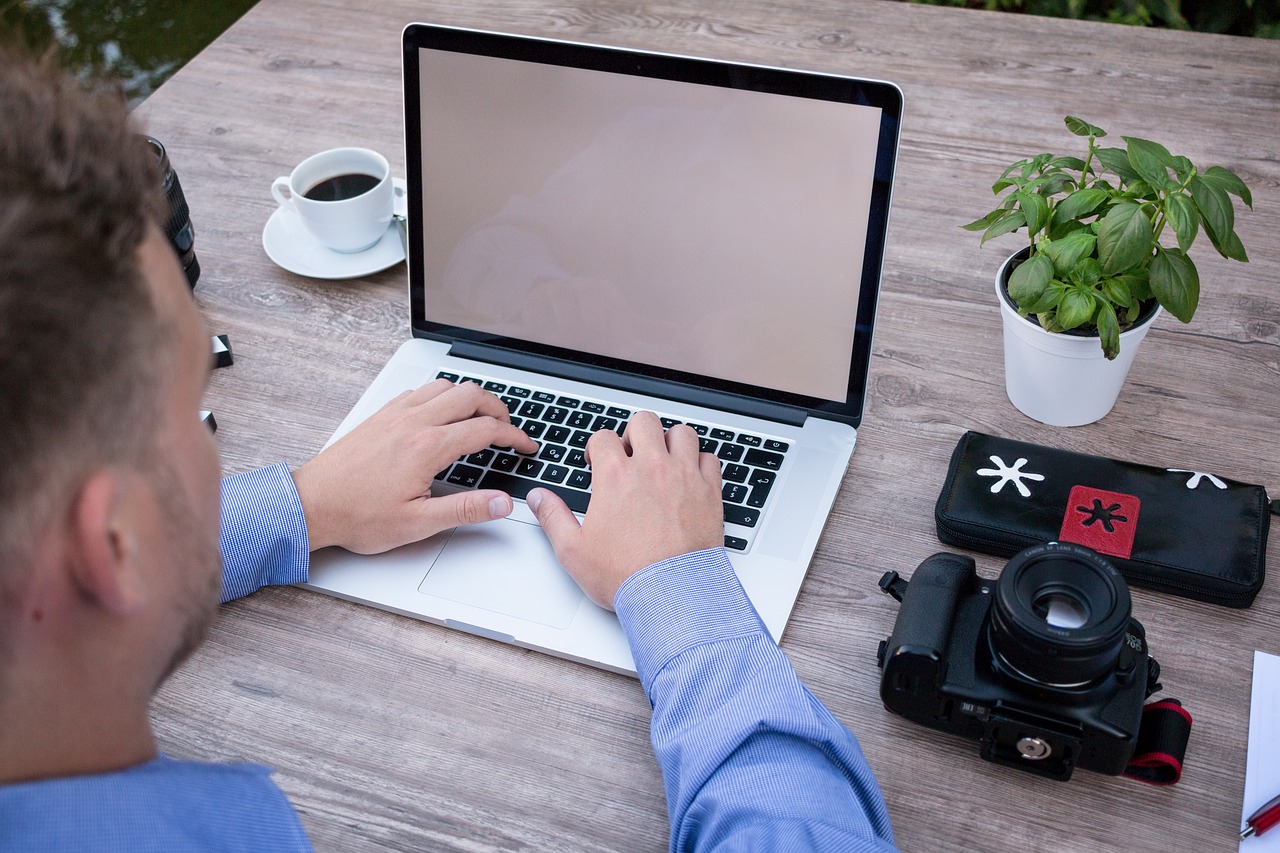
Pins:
x: 341, y: 187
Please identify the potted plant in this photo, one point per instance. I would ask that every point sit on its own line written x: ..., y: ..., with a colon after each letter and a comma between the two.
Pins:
x: 1109, y: 236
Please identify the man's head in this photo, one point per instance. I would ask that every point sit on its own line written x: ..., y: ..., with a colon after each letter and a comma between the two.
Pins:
x: 108, y: 480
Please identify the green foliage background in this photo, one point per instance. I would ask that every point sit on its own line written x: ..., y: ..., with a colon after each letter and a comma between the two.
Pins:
x: 1233, y: 17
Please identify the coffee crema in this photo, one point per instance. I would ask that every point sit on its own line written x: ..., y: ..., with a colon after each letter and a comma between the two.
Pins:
x: 342, y: 187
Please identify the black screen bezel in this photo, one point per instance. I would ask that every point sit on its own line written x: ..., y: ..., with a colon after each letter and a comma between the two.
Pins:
x: 886, y: 96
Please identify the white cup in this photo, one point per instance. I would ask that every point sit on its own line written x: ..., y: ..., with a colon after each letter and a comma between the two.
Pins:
x: 347, y: 224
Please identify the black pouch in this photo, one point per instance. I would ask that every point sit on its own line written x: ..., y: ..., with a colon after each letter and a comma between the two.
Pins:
x: 1183, y: 532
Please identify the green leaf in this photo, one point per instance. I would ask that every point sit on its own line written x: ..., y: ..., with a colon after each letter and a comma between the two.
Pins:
x: 1124, y: 238
x: 1108, y: 330
x: 1067, y: 163
x: 1010, y: 221
x: 1076, y: 308
x: 1067, y: 252
x: 1226, y: 179
x: 981, y: 224
x: 1048, y: 299
x: 1180, y: 213
x: 1151, y: 160
x: 1117, y: 160
x: 1116, y: 292
x: 1139, y: 284
x: 1079, y: 204
x: 1029, y: 280
x: 1080, y: 127
x: 1035, y: 208
x: 1184, y: 167
x: 1175, y: 282
x: 1218, y: 217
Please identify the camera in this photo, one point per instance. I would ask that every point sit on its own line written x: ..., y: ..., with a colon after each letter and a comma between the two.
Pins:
x: 1044, y: 666
x: 178, y: 229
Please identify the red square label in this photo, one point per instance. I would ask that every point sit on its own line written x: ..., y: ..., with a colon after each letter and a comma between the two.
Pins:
x: 1104, y: 521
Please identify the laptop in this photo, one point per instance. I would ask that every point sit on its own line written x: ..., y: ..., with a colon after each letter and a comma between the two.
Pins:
x: 595, y: 231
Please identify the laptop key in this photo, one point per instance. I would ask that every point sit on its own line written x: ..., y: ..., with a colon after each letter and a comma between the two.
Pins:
x: 568, y: 402
x: 579, y: 438
x: 735, y: 473
x: 555, y: 473
x: 495, y: 387
x: 544, y: 397
x: 506, y: 462
x: 735, y: 514
x: 762, y: 478
x: 734, y: 492
x: 534, y: 429
x: 706, y: 445
x: 618, y: 412
x: 576, y: 459
x: 668, y: 423
x: 603, y: 422
x: 480, y: 457
x: 775, y: 445
x: 594, y: 408
x: 700, y: 429
x: 531, y: 409
x: 464, y: 475
x: 558, y: 434
x: 553, y: 453
x: 528, y: 467
x: 452, y: 377
x: 731, y: 452
x: 519, y: 487
x: 749, y: 440
x: 580, y: 479
x: 512, y: 403
x: 517, y: 391
x: 580, y: 420
x: 722, y: 434
x: 735, y: 543
x: 555, y: 415
x: 473, y: 379
x: 759, y: 494
x: 764, y: 459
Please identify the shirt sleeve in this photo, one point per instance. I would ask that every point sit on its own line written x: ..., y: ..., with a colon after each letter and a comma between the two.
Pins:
x: 751, y: 760
x: 264, y: 532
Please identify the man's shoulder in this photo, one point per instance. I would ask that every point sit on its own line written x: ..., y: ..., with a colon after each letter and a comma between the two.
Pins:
x: 163, y: 804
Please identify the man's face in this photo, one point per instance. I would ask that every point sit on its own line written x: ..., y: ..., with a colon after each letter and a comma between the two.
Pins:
x: 184, y: 477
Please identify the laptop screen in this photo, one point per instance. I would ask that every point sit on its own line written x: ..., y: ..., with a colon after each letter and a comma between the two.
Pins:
x: 716, y: 224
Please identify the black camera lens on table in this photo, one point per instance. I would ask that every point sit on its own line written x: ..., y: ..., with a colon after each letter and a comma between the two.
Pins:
x: 1045, y: 666
x: 178, y: 229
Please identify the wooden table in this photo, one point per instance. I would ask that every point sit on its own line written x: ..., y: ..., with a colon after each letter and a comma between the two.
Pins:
x: 389, y: 733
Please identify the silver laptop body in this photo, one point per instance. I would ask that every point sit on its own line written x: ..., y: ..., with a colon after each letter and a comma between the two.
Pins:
x: 596, y: 231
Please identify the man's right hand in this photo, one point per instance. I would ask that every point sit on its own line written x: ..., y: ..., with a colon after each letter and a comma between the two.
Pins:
x: 653, y: 496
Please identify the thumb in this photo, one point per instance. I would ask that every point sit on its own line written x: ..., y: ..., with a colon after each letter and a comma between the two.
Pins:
x: 463, y: 508
x: 557, y: 520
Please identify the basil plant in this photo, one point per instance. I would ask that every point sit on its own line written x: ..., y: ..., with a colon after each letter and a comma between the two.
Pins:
x: 1111, y: 232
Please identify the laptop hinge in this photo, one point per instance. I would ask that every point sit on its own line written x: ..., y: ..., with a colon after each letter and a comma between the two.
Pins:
x: 679, y: 391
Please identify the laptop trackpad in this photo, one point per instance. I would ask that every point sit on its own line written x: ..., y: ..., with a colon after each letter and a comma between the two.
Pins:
x: 507, y: 567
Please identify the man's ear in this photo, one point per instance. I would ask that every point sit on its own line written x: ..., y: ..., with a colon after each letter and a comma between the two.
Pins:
x: 104, y: 545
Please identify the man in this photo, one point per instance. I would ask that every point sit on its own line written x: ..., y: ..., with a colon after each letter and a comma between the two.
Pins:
x: 109, y: 551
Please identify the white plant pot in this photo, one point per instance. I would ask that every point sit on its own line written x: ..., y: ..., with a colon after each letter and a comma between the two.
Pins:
x: 1061, y: 379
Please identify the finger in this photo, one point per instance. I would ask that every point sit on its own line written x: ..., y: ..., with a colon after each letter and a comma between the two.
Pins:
x: 603, y: 445
x: 428, y: 391
x: 557, y: 520
x: 464, y: 401
x: 644, y: 433
x: 682, y: 442
x: 463, y: 437
x: 709, y: 465
x: 463, y: 508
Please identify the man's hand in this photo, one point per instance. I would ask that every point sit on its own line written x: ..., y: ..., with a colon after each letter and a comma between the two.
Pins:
x: 653, y: 496
x: 371, y: 491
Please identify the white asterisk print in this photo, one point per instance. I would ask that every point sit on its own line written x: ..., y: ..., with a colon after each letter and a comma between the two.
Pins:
x: 1196, y: 477
x: 1009, y: 474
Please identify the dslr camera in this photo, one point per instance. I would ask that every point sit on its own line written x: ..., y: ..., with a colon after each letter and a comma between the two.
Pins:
x: 1045, y: 667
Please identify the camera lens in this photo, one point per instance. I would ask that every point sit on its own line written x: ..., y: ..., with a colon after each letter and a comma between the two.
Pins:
x: 178, y: 229
x: 1060, y: 615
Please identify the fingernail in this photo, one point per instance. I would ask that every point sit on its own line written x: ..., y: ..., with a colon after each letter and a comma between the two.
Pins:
x: 499, y: 507
x: 534, y: 499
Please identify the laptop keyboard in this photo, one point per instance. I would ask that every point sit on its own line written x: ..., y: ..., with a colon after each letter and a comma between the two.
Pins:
x: 749, y: 463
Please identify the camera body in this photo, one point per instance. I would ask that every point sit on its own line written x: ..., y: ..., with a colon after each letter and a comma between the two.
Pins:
x: 1045, y: 666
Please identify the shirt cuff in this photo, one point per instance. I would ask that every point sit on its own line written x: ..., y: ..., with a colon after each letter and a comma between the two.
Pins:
x: 264, y: 532
x: 680, y: 603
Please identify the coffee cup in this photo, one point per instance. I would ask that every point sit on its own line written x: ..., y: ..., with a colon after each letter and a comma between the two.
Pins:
x: 344, y: 197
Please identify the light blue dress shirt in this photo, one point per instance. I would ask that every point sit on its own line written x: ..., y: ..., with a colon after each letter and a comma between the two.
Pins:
x: 750, y: 759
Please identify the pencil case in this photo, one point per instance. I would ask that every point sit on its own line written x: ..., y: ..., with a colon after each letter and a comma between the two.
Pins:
x: 1175, y: 530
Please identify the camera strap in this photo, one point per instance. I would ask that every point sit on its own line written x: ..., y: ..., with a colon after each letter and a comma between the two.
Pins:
x: 1162, y: 743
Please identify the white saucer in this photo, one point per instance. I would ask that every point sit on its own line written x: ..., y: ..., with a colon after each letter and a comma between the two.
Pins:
x: 292, y: 247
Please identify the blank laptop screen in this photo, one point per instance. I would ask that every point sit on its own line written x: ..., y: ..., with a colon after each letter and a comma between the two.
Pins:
x: 714, y: 231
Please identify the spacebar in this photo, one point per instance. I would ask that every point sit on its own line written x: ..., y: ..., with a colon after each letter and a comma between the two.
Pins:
x: 518, y: 487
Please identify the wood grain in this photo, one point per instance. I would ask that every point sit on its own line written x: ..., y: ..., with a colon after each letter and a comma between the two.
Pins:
x: 390, y: 734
